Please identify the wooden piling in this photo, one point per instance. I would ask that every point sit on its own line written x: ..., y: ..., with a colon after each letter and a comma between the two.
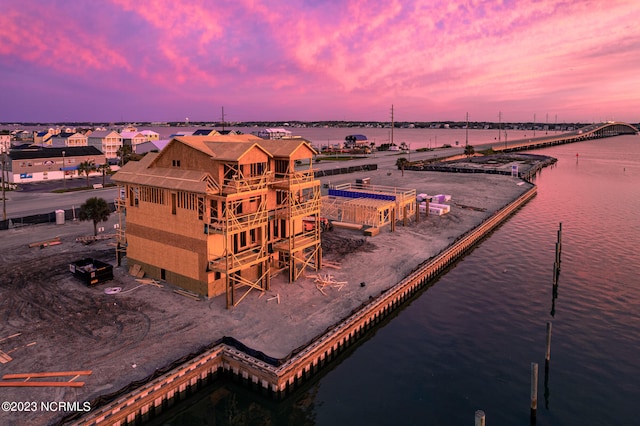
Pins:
x: 534, y: 389
x: 548, y: 354
x: 480, y: 418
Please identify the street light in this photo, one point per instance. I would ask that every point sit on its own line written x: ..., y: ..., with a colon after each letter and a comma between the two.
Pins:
x: 64, y: 173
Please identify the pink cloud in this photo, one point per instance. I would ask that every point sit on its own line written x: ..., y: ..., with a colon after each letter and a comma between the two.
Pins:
x: 429, y: 56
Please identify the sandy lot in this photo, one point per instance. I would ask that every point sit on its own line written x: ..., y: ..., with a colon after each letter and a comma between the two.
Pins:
x: 127, y: 336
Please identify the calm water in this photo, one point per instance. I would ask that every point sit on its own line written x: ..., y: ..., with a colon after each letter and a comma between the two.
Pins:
x: 467, y: 342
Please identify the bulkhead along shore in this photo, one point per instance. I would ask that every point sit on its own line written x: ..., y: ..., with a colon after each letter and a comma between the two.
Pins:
x: 122, y: 334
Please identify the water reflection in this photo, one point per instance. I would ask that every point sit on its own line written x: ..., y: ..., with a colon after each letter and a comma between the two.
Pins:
x: 466, y: 344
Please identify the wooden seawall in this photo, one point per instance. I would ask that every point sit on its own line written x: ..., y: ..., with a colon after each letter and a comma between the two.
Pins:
x: 280, y: 380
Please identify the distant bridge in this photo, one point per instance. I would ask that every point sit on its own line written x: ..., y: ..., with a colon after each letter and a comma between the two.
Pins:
x: 593, y: 131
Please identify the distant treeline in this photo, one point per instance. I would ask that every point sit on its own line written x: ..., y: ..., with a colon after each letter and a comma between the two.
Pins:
x: 347, y: 124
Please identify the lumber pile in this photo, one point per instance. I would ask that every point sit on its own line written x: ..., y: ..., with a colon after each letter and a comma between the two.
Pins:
x: 371, y: 232
x: 323, y: 281
x: 46, y: 243
x: 190, y: 295
x: 347, y: 225
x: 91, y: 238
x: 9, y: 380
x: 332, y: 265
x: 136, y: 271
x: 4, y: 356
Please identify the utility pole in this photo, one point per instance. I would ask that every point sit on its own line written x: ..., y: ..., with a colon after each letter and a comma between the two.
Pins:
x: 392, y: 124
x: 64, y: 172
x: 222, y: 117
x: 499, y: 126
x: 466, y: 135
x: 4, y: 198
x: 534, y: 125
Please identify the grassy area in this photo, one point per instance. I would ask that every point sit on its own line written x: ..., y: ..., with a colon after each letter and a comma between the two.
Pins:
x: 82, y: 188
x: 336, y: 158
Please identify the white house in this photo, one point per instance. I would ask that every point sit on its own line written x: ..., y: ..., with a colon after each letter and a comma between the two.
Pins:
x: 5, y: 142
x: 274, y: 133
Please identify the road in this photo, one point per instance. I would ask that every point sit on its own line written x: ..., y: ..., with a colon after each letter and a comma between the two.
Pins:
x: 37, y: 198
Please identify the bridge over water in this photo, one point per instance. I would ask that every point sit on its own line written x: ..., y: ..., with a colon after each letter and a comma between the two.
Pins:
x: 593, y: 131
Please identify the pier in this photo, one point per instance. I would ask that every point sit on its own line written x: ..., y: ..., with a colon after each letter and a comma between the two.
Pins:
x: 276, y: 377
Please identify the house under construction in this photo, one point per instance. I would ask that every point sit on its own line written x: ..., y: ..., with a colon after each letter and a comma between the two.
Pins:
x: 219, y: 214
x: 370, y: 205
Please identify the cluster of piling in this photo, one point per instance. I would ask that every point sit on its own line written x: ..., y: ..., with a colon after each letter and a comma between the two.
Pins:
x: 547, y: 356
x: 533, y: 411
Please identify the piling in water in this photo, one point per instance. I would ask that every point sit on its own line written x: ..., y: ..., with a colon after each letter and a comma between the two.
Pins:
x: 534, y: 389
x: 548, y: 354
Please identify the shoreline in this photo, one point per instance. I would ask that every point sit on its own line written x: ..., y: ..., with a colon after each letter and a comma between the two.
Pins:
x: 280, y: 380
x: 173, y: 326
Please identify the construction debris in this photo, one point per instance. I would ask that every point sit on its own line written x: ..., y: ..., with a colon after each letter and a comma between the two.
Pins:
x: 143, y: 282
x: 91, y: 238
x: 46, y: 243
x: 188, y: 294
x: 277, y: 296
x: 333, y: 265
x: 7, y: 379
x: 4, y: 356
x: 136, y: 271
x: 328, y: 280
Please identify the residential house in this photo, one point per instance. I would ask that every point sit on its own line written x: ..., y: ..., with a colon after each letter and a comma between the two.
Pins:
x: 217, y: 214
x: 150, y: 135
x: 151, y: 146
x: 205, y: 132
x: 69, y: 139
x: 5, y: 141
x: 42, y: 138
x: 107, y: 141
x: 273, y: 133
x: 133, y: 139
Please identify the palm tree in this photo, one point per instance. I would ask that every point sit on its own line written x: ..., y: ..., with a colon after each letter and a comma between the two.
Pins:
x: 95, y: 209
x: 469, y: 150
x: 85, y: 168
x: 104, y: 168
x: 401, y: 163
x: 124, y: 152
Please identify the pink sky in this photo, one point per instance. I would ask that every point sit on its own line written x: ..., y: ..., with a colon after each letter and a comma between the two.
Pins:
x: 165, y: 60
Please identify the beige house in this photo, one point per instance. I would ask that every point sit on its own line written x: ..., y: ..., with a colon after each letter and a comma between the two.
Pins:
x: 5, y: 141
x: 216, y: 214
x: 133, y: 139
x: 150, y: 135
x: 107, y: 141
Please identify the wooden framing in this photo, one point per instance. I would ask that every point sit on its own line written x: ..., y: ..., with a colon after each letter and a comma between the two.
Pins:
x: 370, y: 210
x: 204, y: 211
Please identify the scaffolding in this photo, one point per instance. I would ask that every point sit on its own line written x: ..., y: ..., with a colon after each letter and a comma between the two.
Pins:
x: 121, y: 238
x: 299, y: 207
x: 245, y: 237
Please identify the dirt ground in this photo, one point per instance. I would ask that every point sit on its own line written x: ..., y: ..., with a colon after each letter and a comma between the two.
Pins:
x: 65, y: 325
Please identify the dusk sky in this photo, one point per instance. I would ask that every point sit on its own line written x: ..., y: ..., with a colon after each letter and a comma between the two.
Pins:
x: 166, y: 60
